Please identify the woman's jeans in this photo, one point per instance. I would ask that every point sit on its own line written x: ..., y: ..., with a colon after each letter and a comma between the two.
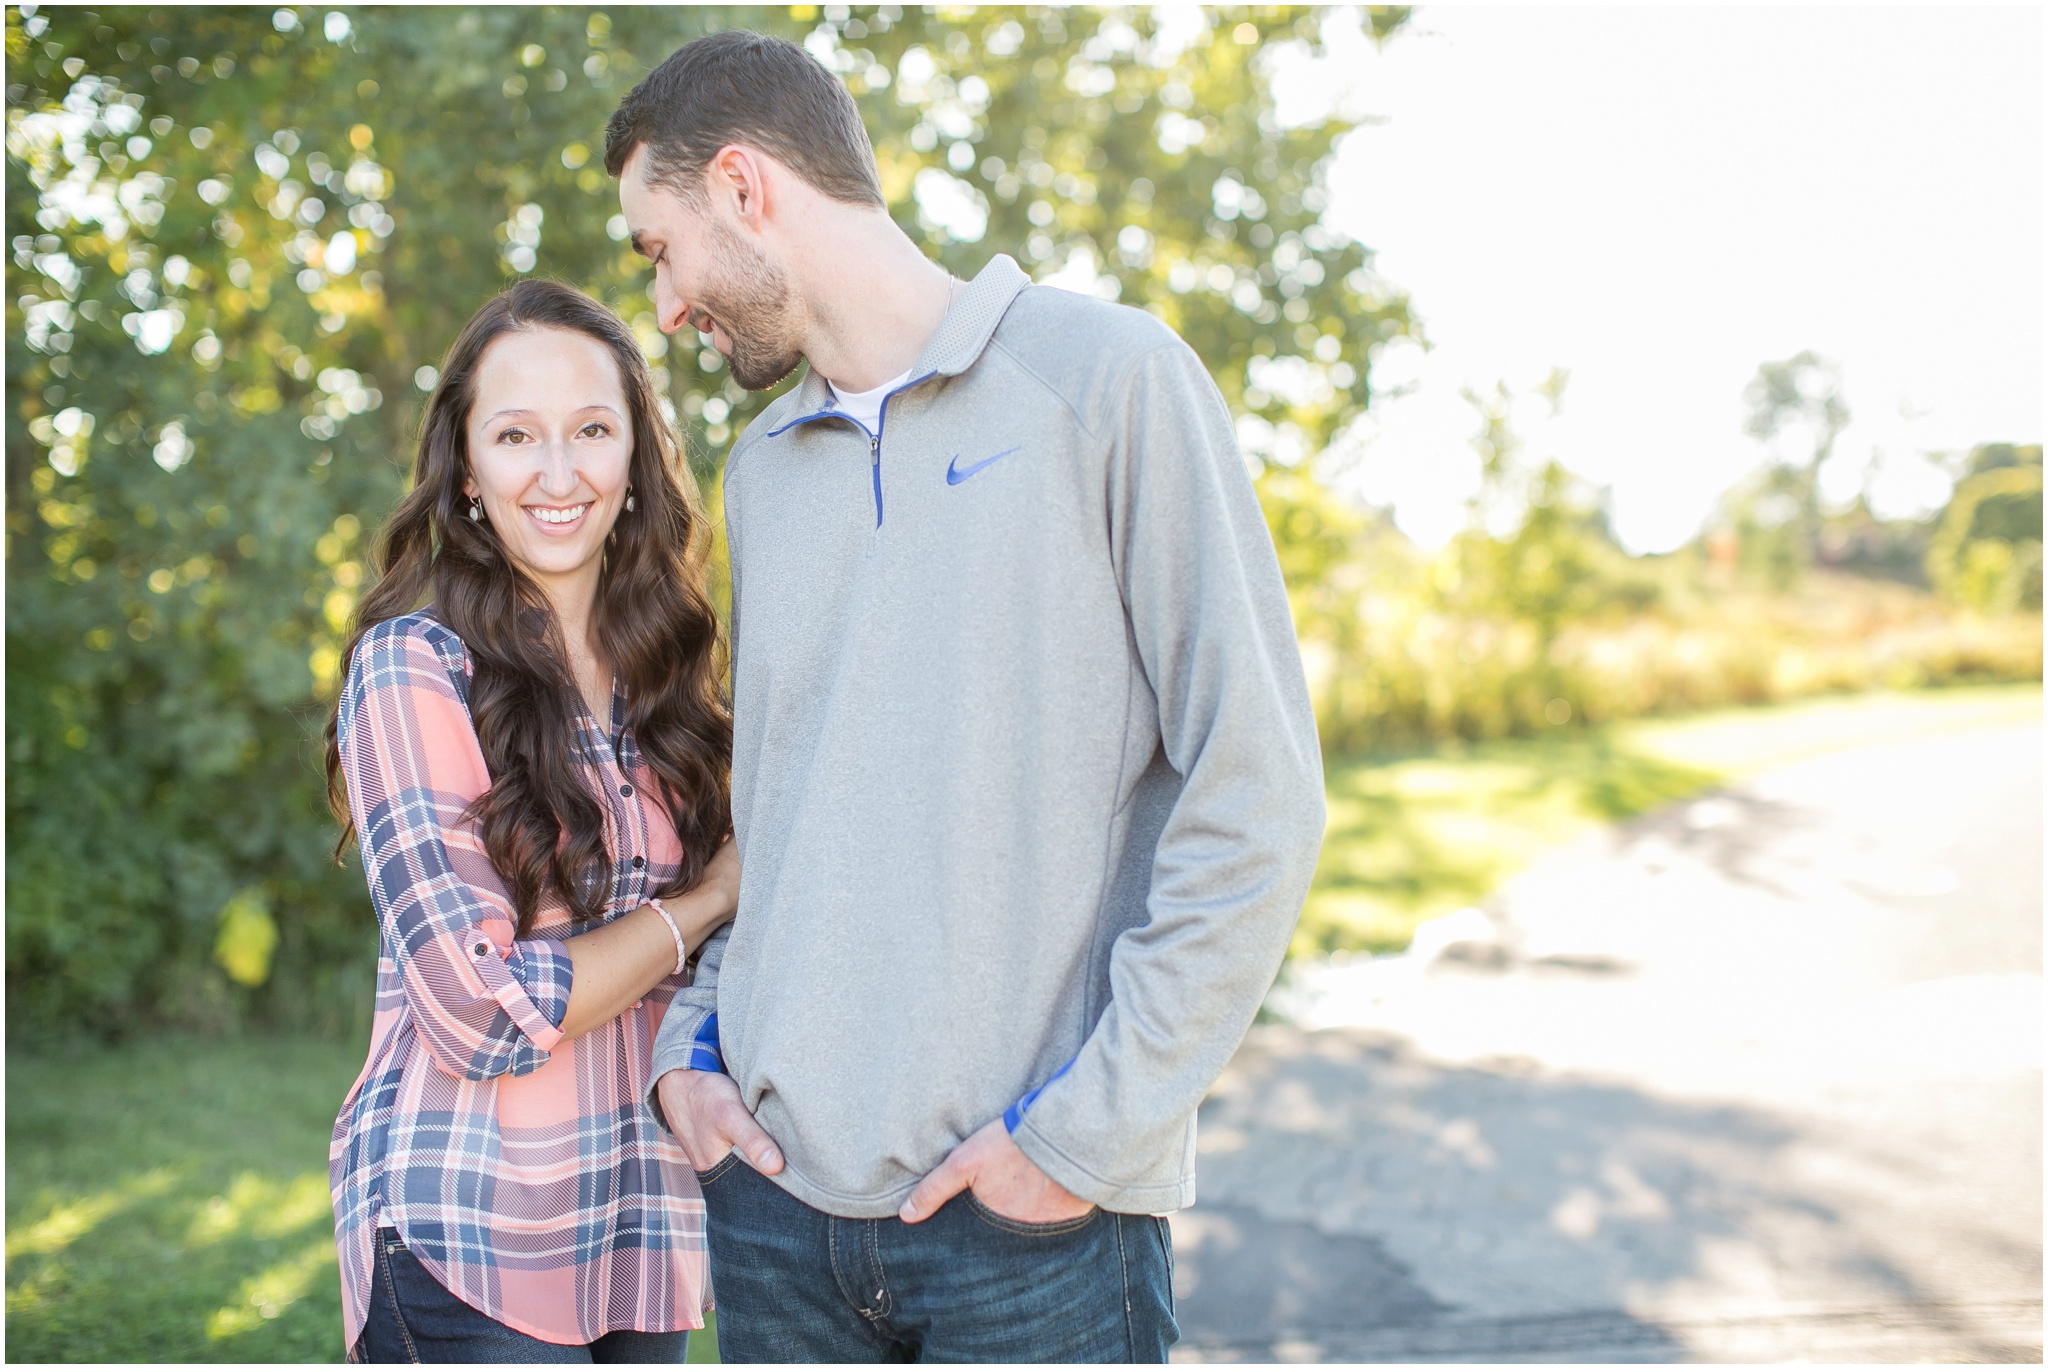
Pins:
x: 414, y: 1320
x: 964, y: 1285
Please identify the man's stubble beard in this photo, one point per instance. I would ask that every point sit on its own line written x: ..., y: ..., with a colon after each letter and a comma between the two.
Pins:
x: 756, y: 308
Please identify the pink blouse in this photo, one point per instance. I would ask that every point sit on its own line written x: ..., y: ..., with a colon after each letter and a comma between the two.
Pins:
x: 521, y: 1169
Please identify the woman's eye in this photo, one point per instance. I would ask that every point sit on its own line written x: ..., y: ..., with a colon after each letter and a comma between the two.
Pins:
x: 595, y: 430
x: 513, y: 435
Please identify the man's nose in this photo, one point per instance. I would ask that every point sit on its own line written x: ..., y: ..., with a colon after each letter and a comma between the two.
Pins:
x: 671, y: 310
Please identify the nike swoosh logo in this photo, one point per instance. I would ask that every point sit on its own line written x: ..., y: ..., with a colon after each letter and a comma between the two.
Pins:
x: 954, y: 475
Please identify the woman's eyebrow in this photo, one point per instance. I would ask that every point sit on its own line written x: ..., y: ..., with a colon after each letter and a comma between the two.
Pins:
x: 527, y: 413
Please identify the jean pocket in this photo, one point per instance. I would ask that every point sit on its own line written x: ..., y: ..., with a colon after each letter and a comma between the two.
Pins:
x: 1065, y: 1227
x: 719, y: 1170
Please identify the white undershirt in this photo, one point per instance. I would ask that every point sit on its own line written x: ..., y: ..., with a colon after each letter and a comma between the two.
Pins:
x: 865, y: 406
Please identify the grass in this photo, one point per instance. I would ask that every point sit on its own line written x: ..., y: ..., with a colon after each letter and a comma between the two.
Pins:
x: 167, y: 1201
x: 1411, y: 838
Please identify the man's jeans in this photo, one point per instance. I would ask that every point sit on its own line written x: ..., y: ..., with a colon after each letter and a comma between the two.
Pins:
x: 964, y: 1285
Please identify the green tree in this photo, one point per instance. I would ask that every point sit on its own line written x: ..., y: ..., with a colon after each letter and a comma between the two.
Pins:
x: 1795, y: 409
x: 1539, y: 554
x: 1986, y: 552
x: 1535, y: 550
x: 242, y: 238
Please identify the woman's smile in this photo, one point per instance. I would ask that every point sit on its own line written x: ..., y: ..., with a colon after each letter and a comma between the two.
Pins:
x: 557, y: 521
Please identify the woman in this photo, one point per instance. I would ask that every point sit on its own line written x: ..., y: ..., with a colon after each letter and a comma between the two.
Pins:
x: 536, y: 764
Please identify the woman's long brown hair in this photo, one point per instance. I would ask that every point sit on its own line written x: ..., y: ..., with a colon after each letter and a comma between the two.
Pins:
x: 541, y: 820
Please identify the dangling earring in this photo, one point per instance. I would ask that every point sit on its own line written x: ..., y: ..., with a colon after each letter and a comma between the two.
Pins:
x: 476, y: 510
x: 630, y: 504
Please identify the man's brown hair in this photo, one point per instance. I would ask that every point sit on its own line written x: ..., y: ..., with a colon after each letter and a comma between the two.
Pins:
x: 753, y: 90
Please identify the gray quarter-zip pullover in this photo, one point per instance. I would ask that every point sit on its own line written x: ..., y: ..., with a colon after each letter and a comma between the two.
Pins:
x: 1025, y: 779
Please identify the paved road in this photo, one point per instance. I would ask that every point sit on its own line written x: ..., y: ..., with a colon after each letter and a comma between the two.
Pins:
x: 1755, y: 1078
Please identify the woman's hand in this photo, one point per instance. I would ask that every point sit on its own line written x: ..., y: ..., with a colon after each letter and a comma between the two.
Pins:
x: 620, y: 962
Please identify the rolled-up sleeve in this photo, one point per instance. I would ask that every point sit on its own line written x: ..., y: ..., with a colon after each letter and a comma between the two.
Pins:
x: 483, y: 1003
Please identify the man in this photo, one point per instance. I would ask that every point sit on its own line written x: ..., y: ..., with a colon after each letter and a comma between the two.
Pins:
x: 1025, y: 780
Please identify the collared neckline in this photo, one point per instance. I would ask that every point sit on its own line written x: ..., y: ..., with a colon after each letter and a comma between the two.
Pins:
x: 962, y: 335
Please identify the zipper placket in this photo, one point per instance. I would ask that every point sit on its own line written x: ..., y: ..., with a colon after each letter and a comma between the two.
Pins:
x: 874, y: 438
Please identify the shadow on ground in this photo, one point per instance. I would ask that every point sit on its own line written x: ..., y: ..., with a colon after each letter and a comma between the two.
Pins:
x: 1359, y: 1202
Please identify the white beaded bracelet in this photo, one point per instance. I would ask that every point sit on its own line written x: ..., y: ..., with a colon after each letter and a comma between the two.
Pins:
x: 682, y: 951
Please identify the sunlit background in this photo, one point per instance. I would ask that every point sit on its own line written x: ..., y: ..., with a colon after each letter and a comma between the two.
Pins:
x: 1642, y: 400
x: 1657, y: 199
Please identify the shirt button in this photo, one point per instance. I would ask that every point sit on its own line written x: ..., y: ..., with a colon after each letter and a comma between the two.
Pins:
x: 639, y: 862
x: 625, y: 791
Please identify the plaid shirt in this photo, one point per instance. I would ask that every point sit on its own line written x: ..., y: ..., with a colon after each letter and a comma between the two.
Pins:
x: 520, y: 1168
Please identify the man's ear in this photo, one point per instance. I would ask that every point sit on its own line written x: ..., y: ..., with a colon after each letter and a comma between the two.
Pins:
x: 740, y: 174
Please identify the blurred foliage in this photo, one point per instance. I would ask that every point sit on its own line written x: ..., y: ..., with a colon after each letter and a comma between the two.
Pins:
x: 241, y: 240
x: 1796, y: 409
x: 1986, y: 553
x: 1533, y: 619
x: 1420, y: 654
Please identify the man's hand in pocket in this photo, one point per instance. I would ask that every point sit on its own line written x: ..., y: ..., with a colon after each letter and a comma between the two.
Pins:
x: 708, y: 1118
x: 1000, y: 1175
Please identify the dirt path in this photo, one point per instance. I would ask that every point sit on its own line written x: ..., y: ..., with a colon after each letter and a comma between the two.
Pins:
x: 1755, y: 1078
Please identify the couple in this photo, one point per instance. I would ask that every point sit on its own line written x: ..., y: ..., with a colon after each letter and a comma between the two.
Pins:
x: 1024, y: 796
